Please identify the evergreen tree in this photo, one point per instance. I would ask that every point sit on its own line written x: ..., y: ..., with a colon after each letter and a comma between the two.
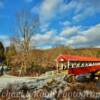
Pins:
x: 2, y: 50
x: 10, y: 51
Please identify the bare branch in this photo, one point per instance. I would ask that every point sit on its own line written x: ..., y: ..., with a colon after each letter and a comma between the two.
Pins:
x: 27, y: 27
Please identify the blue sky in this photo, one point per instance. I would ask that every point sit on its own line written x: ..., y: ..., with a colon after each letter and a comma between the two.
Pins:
x: 62, y: 22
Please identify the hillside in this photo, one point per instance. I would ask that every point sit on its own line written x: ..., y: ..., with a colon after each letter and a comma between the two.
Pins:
x: 47, y: 57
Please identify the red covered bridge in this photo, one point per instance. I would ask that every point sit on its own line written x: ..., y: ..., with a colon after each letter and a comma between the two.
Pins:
x: 78, y: 64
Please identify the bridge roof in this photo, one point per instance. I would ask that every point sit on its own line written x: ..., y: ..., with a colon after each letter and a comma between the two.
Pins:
x: 76, y: 58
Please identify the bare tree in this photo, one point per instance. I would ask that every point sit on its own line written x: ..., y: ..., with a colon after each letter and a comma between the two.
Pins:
x: 27, y: 26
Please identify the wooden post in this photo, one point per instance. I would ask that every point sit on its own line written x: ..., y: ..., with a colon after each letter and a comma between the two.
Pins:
x: 72, y: 65
x: 61, y: 67
x: 68, y: 64
x: 57, y: 65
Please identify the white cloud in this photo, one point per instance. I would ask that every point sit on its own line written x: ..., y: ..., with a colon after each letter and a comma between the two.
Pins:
x: 68, y: 31
x: 65, y: 23
x: 65, y: 7
x: 48, y: 9
x: 81, y: 38
x: 80, y: 9
x: 76, y: 40
x: 86, y: 8
x: 5, y: 40
x: 44, y: 27
x: 55, y: 8
x: 48, y: 39
x: 87, y: 37
x: 87, y: 12
x: 93, y: 33
x: 74, y: 35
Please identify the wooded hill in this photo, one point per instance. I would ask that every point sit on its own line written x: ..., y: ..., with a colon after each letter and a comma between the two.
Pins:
x: 47, y: 57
